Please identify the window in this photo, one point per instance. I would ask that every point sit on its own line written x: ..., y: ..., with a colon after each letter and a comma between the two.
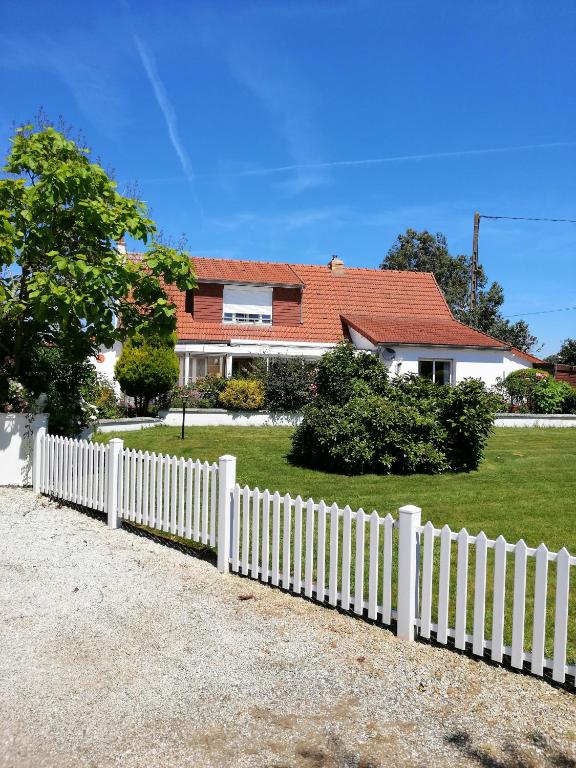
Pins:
x: 247, y: 304
x: 439, y: 371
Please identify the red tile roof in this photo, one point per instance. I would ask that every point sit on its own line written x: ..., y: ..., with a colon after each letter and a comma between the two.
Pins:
x: 525, y: 356
x: 258, y: 272
x: 395, y: 306
x: 414, y: 330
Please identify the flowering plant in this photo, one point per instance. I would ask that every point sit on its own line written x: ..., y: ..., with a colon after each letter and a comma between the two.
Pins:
x: 17, y: 399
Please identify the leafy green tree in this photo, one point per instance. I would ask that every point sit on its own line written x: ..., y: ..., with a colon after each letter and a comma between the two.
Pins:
x: 567, y: 353
x: 147, y: 368
x: 423, y: 252
x: 62, y: 280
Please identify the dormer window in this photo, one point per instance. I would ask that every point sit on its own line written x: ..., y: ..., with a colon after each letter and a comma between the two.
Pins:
x: 247, y: 304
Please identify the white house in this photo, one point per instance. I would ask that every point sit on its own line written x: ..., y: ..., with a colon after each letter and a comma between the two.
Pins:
x: 247, y: 309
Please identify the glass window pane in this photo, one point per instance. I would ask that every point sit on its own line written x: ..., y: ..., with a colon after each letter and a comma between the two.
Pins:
x: 200, y: 367
x: 214, y: 366
x: 426, y: 369
x: 442, y: 372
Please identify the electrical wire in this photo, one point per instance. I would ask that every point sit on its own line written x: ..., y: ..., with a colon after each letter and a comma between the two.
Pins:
x: 527, y: 218
x: 542, y: 312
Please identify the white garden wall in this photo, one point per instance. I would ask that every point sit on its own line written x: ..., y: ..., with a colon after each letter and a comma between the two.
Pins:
x: 212, y: 417
x: 16, y: 442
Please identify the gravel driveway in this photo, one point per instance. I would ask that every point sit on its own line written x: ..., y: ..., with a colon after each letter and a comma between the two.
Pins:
x: 118, y: 651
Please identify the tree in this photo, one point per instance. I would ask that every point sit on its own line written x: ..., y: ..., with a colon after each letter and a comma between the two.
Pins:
x: 147, y: 368
x: 566, y: 355
x: 424, y: 252
x: 62, y: 280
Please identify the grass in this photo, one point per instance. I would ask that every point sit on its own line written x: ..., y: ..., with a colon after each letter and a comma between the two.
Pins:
x: 525, y: 488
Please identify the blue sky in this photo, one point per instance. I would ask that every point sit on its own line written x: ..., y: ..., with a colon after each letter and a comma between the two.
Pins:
x: 295, y: 130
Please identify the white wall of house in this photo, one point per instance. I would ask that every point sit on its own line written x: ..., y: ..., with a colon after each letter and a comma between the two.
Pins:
x: 485, y: 364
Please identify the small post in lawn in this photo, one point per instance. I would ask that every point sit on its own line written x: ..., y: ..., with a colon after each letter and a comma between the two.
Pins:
x: 184, y: 401
x: 226, y: 483
x: 409, y: 518
x: 115, y: 448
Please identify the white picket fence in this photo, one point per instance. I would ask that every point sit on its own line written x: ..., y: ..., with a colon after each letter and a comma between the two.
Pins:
x: 392, y: 571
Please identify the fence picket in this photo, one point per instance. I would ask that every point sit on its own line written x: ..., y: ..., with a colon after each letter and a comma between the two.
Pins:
x: 235, y: 527
x: 245, y: 528
x: 346, y: 557
x: 480, y: 594
x: 189, y: 498
x: 152, y: 491
x: 461, y: 589
x: 427, y: 581
x: 499, y: 592
x: 139, y: 481
x: 159, y: 491
x: 197, y: 482
x: 333, y: 572
x: 387, y: 569
x: 561, y: 615
x: 286, y: 544
x: 255, y: 569
x: 297, y: 585
x: 519, y: 604
x: 275, y: 538
x: 211, y: 534
x: 444, y: 585
x: 539, y: 622
x: 265, y: 535
x: 174, y: 495
x: 181, y: 496
x: 205, y: 502
x: 321, y: 553
x: 166, y: 501
x: 309, y: 559
x: 85, y: 470
x: 373, y: 566
x: 359, y: 570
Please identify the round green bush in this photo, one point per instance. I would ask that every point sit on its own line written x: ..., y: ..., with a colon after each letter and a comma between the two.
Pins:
x: 242, y: 395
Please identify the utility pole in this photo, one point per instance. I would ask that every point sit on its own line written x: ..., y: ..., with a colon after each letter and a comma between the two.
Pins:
x: 474, y: 276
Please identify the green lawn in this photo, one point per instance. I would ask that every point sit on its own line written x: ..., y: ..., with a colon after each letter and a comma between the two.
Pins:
x: 525, y: 488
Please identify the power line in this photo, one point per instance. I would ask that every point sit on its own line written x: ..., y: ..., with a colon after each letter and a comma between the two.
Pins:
x: 527, y: 218
x: 542, y: 312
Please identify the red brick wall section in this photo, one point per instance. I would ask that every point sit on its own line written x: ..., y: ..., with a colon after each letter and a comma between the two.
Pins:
x: 286, y: 306
x: 205, y: 303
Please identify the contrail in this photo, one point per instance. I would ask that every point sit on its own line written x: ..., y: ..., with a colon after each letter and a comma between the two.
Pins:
x: 403, y: 158
x: 164, y: 103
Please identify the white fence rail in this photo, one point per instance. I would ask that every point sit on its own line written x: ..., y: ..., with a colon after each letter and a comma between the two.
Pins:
x: 486, y: 596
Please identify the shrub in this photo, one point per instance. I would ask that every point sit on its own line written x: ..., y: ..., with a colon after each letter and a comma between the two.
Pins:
x: 548, y: 395
x: 242, y: 395
x: 405, y: 425
x: 519, y: 386
x: 102, y: 395
x: 210, y: 388
x: 288, y: 384
x: 344, y: 372
x: 146, y: 369
x: 569, y: 402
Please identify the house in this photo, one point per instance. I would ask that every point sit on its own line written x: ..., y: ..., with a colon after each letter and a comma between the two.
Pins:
x: 243, y: 310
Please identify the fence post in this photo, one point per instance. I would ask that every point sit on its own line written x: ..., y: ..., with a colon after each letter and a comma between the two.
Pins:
x: 226, y: 483
x: 115, y: 448
x: 409, y: 518
x: 37, y: 455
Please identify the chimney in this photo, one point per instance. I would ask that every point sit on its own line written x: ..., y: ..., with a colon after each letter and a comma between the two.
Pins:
x: 121, y: 245
x: 336, y: 266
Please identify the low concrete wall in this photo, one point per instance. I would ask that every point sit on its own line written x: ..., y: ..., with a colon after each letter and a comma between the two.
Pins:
x: 535, y: 420
x: 16, y: 445
x: 215, y: 417
x: 121, y: 425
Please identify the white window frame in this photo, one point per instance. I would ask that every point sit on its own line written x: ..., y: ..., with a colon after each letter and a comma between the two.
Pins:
x: 435, y: 360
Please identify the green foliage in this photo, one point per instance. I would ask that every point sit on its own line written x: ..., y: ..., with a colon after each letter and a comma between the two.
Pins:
x: 401, y: 426
x: 62, y: 280
x: 242, y: 395
x: 288, y: 383
x: 567, y: 353
x: 205, y: 393
x: 146, y: 369
x: 103, y: 396
x: 343, y: 373
x: 424, y: 252
x: 68, y: 383
x: 531, y: 390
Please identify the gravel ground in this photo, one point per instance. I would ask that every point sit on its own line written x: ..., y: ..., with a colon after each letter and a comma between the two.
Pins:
x: 118, y: 651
